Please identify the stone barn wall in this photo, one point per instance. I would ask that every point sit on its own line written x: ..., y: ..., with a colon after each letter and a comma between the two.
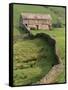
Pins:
x: 36, y: 21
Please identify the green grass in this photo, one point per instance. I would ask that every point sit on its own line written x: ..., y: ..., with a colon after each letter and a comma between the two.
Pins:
x: 29, y: 63
x: 31, y: 59
x: 55, y: 12
x: 59, y: 35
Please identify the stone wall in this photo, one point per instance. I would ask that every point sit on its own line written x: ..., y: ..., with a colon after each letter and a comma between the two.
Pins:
x: 58, y: 67
x: 52, y: 75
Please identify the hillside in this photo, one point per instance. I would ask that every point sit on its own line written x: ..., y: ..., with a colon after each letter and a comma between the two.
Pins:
x: 55, y: 12
x: 19, y: 44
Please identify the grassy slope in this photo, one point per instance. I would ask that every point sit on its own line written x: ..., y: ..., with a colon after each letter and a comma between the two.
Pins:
x: 18, y: 9
x: 59, y: 36
x: 31, y: 59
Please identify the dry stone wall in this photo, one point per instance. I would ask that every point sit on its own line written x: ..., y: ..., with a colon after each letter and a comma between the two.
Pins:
x: 52, y: 75
x: 56, y: 69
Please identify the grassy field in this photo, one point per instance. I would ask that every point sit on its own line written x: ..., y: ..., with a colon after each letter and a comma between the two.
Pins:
x: 59, y: 35
x: 28, y: 64
x: 55, y: 12
x: 32, y: 60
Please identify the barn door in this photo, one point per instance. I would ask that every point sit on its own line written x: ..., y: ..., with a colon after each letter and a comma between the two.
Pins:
x: 37, y: 27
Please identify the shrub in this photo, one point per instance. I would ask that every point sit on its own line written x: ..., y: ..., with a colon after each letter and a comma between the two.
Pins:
x: 57, y: 24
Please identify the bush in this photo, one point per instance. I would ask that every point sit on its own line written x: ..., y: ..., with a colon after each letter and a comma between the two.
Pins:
x: 57, y: 24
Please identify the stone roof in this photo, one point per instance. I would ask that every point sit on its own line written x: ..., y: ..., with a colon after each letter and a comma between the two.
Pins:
x: 35, y: 16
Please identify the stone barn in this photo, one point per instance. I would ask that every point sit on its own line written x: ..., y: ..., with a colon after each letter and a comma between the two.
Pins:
x: 36, y: 21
